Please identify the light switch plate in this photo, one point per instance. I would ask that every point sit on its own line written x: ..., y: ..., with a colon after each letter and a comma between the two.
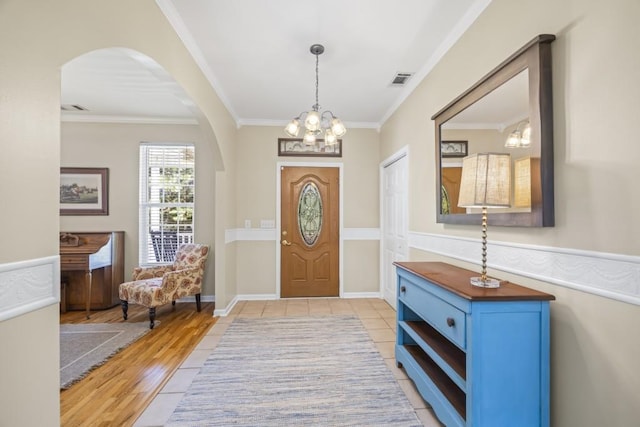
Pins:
x: 267, y: 223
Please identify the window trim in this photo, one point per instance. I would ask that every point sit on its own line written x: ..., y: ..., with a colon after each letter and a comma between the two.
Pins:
x: 146, y: 253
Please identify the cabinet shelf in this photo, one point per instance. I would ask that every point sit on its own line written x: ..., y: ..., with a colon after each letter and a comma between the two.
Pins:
x: 451, y: 354
x: 447, y: 387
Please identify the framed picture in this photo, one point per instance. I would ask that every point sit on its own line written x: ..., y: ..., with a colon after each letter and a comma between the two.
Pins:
x: 454, y: 148
x: 84, y: 191
x: 296, y: 147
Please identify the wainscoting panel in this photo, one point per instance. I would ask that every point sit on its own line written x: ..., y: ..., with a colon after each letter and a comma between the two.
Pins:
x: 27, y: 286
x: 608, y: 275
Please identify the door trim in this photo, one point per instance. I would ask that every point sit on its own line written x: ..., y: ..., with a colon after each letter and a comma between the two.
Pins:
x: 278, y: 213
x: 403, y: 152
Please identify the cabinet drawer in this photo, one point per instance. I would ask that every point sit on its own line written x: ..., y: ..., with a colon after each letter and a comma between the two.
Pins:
x: 74, y: 262
x: 447, y: 319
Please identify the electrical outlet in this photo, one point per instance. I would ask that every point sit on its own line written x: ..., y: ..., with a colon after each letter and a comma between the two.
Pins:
x: 247, y: 223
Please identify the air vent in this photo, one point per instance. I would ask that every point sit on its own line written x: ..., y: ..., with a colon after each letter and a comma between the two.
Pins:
x: 73, y: 107
x: 400, y: 79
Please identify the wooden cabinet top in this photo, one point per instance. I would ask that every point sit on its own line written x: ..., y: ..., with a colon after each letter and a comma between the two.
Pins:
x: 87, y: 242
x: 456, y: 280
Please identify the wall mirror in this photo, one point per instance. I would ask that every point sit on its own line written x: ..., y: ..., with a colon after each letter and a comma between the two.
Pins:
x: 507, y: 111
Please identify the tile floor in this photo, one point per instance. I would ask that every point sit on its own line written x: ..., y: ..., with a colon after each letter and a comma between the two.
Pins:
x: 378, y: 318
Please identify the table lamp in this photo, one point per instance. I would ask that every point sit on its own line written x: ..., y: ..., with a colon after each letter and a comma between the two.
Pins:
x: 485, y: 183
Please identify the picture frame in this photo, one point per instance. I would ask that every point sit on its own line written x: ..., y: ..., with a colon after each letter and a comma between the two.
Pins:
x: 84, y: 191
x: 454, y: 148
x: 297, y: 147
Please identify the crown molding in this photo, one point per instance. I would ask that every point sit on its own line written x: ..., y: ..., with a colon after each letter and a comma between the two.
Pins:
x: 85, y: 118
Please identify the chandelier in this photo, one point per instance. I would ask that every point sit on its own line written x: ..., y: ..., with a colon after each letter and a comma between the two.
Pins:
x: 520, y: 137
x: 316, y: 123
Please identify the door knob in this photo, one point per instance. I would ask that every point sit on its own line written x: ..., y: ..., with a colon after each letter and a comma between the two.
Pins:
x: 285, y: 243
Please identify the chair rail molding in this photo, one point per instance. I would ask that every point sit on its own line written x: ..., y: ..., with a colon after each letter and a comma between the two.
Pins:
x: 27, y: 286
x: 270, y: 234
x: 608, y: 275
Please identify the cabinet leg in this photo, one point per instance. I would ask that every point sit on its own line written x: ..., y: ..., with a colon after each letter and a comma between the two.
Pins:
x: 88, y: 280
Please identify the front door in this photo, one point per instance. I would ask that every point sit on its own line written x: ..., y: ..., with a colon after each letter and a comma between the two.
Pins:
x: 310, y: 232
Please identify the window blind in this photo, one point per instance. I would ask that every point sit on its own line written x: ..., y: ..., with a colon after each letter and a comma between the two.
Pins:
x: 167, y: 198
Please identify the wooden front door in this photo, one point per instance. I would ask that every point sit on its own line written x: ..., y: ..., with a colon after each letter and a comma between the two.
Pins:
x: 451, y: 178
x: 310, y: 232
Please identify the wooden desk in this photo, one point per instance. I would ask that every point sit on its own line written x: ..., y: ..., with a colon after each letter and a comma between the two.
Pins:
x: 93, y: 270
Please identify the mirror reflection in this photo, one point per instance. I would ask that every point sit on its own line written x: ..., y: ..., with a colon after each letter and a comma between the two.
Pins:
x: 509, y: 110
x: 497, y: 123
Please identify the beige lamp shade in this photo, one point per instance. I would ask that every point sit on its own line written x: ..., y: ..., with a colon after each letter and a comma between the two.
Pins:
x: 486, y: 181
x: 522, y: 183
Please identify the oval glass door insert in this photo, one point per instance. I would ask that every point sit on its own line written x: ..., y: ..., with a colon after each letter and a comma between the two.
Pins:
x: 310, y: 213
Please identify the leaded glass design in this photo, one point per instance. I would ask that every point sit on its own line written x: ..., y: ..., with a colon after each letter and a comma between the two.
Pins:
x: 310, y: 213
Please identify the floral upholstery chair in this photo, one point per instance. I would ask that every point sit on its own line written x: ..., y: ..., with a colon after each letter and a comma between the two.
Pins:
x: 155, y: 286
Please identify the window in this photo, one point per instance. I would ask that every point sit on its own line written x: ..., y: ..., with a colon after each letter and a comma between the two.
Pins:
x: 167, y: 193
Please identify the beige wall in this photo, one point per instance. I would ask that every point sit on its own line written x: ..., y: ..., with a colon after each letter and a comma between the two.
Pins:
x: 257, y: 268
x: 595, y: 380
x: 256, y: 195
x: 596, y: 98
x: 37, y: 38
x: 116, y: 146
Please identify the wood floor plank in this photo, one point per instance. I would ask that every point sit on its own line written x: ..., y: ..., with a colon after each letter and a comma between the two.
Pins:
x: 116, y: 393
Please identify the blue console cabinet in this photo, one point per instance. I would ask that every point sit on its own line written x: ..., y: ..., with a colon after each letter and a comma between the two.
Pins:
x: 479, y: 356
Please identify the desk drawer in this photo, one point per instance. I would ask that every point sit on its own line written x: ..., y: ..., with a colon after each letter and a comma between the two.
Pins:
x: 447, y: 319
x: 74, y: 262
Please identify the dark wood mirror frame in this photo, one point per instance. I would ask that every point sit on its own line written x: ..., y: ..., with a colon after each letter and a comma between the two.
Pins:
x: 535, y: 57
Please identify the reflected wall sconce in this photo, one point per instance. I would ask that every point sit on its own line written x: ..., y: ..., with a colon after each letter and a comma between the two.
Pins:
x: 485, y: 183
x: 317, y: 123
x: 520, y: 137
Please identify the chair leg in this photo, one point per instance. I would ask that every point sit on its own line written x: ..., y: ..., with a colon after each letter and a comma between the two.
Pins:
x: 198, y: 305
x: 152, y: 317
x: 125, y: 308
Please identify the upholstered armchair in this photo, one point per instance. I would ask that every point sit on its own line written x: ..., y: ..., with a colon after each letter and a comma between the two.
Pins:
x: 159, y: 285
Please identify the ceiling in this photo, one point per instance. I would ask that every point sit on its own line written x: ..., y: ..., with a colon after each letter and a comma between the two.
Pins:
x: 256, y: 55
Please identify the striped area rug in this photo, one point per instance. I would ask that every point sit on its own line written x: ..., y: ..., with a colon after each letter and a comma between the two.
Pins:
x: 295, y: 371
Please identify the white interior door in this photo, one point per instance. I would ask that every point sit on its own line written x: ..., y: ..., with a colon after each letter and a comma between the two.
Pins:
x: 394, y: 223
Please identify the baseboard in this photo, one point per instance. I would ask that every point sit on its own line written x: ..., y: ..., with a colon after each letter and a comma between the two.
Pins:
x: 352, y: 295
x: 192, y: 298
x: 224, y: 312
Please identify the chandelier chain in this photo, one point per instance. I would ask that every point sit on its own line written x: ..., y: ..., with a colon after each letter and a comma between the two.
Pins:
x: 316, y: 107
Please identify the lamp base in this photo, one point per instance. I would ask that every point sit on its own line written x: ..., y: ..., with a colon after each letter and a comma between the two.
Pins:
x: 487, y: 283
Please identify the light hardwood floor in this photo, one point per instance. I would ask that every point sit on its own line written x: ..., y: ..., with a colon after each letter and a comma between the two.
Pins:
x: 142, y: 384
x: 116, y: 393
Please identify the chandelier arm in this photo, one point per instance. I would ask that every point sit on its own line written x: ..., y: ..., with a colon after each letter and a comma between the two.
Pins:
x: 314, y: 121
